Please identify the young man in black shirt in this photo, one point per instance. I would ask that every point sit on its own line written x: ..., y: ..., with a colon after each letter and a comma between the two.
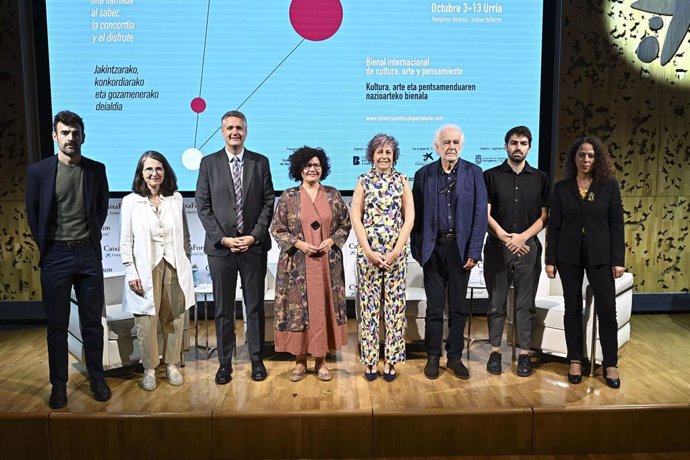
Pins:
x: 518, y: 196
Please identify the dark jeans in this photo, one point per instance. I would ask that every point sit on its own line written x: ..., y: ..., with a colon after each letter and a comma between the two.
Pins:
x: 62, y: 268
x: 252, y: 270
x: 443, y: 272
x: 501, y: 268
x: 604, y: 290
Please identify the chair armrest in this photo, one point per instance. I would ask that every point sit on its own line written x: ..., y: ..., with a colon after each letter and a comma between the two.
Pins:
x: 624, y: 283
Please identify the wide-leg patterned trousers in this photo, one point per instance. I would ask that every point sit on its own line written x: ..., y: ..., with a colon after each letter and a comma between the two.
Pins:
x: 382, y: 290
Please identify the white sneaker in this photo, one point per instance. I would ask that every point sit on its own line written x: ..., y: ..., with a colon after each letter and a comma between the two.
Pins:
x: 173, y: 375
x: 148, y: 383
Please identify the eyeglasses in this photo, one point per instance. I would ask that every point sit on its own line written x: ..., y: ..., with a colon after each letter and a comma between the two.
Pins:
x: 150, y: 170
x: 308, y: 166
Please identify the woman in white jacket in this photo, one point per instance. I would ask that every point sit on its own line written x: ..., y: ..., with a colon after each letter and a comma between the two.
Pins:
x: 155, y: 249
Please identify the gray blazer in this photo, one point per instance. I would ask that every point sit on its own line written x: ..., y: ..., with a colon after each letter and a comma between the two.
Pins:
x: 215, y: 201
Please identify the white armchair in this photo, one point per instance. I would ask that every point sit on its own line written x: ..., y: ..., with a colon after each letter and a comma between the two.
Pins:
x: 548, y: 334
x: 120, y: 345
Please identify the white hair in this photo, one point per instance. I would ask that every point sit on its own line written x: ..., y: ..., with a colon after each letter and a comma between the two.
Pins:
x: 438, y: 132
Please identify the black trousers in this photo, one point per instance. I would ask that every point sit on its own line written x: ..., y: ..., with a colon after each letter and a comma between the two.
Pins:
x: 63, y: 267
x: 604, y: 290
x: 501, y: 268
x: 443, y: 273
x: 252, y: 270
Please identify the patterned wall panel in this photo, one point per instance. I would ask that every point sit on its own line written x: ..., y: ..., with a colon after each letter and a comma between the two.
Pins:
x: 19, y: 274
x: 673, y: 178
x: 12, y: 131
x: 640, y: 108
x: 18, y: 255
x: 658, y: 243
x: 632, y: 138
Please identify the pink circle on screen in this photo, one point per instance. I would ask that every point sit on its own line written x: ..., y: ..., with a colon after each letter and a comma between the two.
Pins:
x: 316, y: 20
x: 198, y: 105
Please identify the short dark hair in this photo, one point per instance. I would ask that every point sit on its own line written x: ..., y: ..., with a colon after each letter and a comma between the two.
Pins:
x: 300, y: 158
x: 236, y: 114
x: 380, y: 140
x: 603, y: 169
x: 169, y: 185
x: 69, y: 119
x: 519, y: 131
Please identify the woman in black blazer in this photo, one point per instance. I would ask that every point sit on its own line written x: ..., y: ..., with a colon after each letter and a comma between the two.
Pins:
x: 586, y: 234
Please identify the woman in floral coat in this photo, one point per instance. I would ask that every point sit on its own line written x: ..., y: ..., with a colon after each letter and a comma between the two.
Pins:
x: 310, y: 225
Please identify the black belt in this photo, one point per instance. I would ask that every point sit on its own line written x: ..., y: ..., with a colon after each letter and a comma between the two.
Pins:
x: 446, y: 235
x: 72, y: 243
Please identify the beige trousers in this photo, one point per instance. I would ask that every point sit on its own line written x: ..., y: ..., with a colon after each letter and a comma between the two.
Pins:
x: 170, y: 308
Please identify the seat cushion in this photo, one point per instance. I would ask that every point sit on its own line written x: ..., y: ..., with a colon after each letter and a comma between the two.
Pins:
x: 120, y: 323
x: 550, y: 312
x: 416, y: 302
x: 549, y: 340
x: 112, y: 287
x: 415, y: 293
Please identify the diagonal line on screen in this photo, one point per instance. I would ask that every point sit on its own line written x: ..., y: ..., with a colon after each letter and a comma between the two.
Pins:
x: 256, y: 89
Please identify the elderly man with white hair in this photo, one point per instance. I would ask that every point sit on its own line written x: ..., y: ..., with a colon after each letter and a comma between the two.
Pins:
x: 447, y: 238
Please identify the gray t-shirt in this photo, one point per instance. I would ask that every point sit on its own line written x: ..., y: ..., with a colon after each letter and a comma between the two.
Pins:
x: 68, y: 221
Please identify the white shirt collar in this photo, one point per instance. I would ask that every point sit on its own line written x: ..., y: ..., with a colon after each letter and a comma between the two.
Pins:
x: 146, y: 198
x: 231, y: 156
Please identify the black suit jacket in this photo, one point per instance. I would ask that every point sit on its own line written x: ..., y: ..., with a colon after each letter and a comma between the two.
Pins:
x: 40, y: 198
x: 600, y: 214
x: 215, y: 201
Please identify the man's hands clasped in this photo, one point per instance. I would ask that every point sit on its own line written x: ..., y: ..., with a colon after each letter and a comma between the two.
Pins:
x: 238, y: 244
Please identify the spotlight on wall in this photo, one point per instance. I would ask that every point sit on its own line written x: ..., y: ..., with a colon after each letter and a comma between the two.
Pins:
x: 654, y: 36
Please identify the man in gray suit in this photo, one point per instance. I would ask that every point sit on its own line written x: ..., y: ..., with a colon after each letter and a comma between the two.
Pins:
x: 234, y: 198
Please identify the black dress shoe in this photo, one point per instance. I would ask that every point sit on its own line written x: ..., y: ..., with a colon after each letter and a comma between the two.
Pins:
x: 58, y: 397
x: 524, y: 367
x: 575, y: 378
x: 101, y: 390
x: 223, y: 374
x: 458, y: 368
x: 612, y: 383
x: 390, y: 375
x: 493, y: 366
x: 371, y: 376
x: 431, y: 368
x: 259, y: 371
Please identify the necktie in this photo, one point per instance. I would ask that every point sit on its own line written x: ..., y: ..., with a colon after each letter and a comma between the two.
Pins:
x: 237, y: 182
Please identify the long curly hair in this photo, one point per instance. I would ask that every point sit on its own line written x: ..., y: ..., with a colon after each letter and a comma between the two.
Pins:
x: 603, y: 169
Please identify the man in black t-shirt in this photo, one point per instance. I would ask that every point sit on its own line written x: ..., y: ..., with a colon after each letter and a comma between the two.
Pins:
x: 518, y: 196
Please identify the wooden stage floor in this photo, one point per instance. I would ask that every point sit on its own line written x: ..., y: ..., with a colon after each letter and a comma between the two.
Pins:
x: 537, y: 417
